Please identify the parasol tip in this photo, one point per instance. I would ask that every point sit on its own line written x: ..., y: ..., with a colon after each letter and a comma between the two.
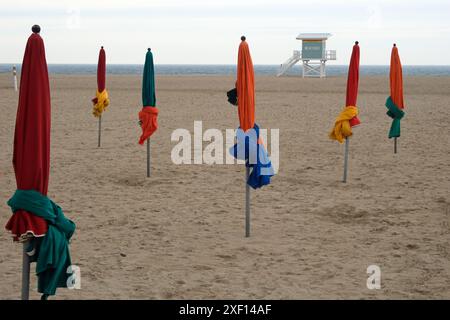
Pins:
x: 36, y: 28
x: 243, y: 38
x: 356, y: 42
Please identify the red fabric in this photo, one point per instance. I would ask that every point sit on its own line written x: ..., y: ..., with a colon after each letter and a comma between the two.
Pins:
x: 245, y: 86
x: 31, y: 157
x: 149, y: 122
x: 101, y: 74
x: 352, y: 83
x: 396, y: 79
x: 101, y: 71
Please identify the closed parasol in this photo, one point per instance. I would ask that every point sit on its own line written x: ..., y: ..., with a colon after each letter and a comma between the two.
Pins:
x: 36, y: 219
x: 148, y: 116
x: 101, y: 100
x: 395, y: 103
x: 348, y: 118
x: 249, y: 146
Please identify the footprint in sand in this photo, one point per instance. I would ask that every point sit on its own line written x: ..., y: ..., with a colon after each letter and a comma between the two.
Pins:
x: 226, y: 256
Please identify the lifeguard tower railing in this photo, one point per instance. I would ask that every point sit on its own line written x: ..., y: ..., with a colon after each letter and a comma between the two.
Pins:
x: 310, y: 68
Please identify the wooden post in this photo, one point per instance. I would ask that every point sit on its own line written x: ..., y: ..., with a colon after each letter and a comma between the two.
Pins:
x: 15, y: 78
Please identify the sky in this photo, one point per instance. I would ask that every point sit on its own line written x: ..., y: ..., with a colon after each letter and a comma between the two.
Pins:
x: 208, y: 32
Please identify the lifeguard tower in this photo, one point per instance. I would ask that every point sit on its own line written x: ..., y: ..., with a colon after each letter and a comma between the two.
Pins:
x: 314, y: 55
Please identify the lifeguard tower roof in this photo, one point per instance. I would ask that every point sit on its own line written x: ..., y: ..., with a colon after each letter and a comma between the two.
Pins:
x: 313, y: 36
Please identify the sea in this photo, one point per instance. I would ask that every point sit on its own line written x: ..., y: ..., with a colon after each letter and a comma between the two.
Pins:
x: 181, y: 69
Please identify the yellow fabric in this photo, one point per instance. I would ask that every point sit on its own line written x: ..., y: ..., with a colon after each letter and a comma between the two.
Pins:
x: 342, y: 128
x: 102, y: 101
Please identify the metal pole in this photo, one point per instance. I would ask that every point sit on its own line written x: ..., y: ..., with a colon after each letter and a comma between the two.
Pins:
x: 148, y: 157
x: 15, y: 83
x: 25, y: 273
x: 345, y: 160
x: 247, y: 203
x: 99, y: 130
x: 395, y: 145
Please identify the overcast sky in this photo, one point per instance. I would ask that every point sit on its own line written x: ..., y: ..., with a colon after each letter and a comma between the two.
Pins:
x: 208, y: 32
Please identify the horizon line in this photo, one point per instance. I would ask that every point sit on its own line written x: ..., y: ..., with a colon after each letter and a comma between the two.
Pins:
x: 225, y: 64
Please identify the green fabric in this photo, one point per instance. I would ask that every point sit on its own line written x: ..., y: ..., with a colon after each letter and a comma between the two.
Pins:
x: 148, y: 82
x: 53, y: 256
x: 396, y: 114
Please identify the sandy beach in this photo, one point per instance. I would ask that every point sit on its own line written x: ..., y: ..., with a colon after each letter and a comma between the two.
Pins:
x: 180, y: 233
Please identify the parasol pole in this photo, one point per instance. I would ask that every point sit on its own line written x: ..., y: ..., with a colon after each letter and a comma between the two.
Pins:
x: 99, y: 130
x: 247, y: 203
x: 395, y: 145
x: 25, y: 273
x: 345, y: 160
x: 148, y: 157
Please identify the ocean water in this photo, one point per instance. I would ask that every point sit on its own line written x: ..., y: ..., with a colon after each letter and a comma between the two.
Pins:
x: 166, y: 69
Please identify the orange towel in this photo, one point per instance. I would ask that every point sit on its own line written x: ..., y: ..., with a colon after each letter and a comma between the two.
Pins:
x: 149, y: 122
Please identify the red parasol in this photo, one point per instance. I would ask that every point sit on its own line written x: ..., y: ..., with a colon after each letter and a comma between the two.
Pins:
x: 352, y: 82
x: 101, y: 100
x: 101, y: 70
x: 31, y: 158
x: 348, y: 117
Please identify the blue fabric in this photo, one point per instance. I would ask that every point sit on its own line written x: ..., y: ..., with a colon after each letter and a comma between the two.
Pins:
x: 255, y: 156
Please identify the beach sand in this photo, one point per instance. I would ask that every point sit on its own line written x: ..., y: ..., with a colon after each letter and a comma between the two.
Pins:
x: 180, y: 233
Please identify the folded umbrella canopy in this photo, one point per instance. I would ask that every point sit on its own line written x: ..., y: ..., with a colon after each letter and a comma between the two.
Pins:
x: 148, y: 116
x: 149, y: 113
x: 33, y: 212
x: 395, y: 103
x: 31, y: 155
x: 348, y: 118
x: 101, y: 100
x: 353, y: 83
x: 249, y: 146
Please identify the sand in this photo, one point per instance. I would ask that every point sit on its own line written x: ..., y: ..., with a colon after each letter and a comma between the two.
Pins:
x: 180, y: 233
